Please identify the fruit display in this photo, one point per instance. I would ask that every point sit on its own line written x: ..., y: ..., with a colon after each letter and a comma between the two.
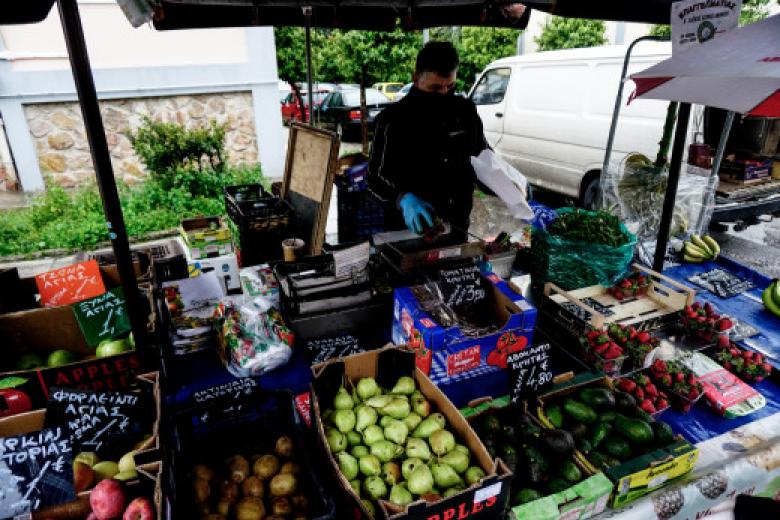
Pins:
x: 771, y: 298
x: 700, y: 249
x: 605, y: 349
x: 253, y: 487
x: 89, y: 470
x: 704, y: 322
x: 644, y: 392
x: 749, y: 366
x: 636, y: 284
x: 542, y: 460
x: 606, y: 426
x: 391, y: 445
x: 110, y: 499
x: 682, y: 385
x: 61, y: 357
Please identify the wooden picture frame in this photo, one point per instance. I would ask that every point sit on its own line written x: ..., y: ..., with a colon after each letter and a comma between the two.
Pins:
x: 309, y: 172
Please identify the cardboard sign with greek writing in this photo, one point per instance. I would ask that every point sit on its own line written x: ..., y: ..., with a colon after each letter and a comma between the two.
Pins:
x: 461, y: 286
x: 70, y: 284
x: 699, y: 21
x: 322, y: 349
x: 103, y: 317
x: 108, y: 423
x: 529, y: 372
x: 35, y: 471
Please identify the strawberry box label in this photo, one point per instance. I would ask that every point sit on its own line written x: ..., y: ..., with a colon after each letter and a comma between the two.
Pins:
x: 463, y: 361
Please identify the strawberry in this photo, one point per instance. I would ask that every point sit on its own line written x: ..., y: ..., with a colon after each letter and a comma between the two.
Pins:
x: 693, y: 393
x: 727, y: 365
x: 612, y: 352
x: 639, y: 393
x: 734, y: 351
x: 688, y: 309
x: 758, y: 359
x: 650, y: 389
x: 696, y: 306
x: 632, y: 333
x: 701, y: 319
x: 643, y: 337
x: 665, y: 380
x: 601, y: 348
x: 626, y: 385
x: 679, y: 377
x: 747, y: 354
x: 602, y: 338
x: 662, y: 395
x: 725, y: 324
x: 708, y: 308
x: 691, y: 379
x: 660, y: 366
x: 723, y: 341
x: 767, y: 368
x: 641, y: 280
x: 626, y: 283
x: 593, y: 334
x: 661, y: 404
x: 758, y: 379
x: 647, y: 406
x: 715, y: 317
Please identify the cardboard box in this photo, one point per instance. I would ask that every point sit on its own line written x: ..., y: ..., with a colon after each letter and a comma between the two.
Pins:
x: 206, y: 237
x: 226, y: 267
x: 641, y: 475
x: 451, y: 358
x: 583, y: 500
x: 485, y: 500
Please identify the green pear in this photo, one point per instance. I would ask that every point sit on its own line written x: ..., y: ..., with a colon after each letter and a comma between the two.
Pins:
x: 373, y: 434
x: 366, y: 416
x: 344, y: 420
x: 400, y: 496
x: 391, y: 473
x: 420, y: 480
x: 386, y: 450
x: 370, y: 509
x: 359, y: 451
x: 421, y: 406
x: 397, y: 408
x: 385, y: 420
x: 337, y: 441
x: 463, y: 449
x: 412, y: 421
x: 474, y: 474
x: 404, y: 386
x: 442, y: 442
x: 418, y: 449
x: 367, y: 388
x: 347, y: 464
x: 369, y: 465
x: 354, y: 438
x: 375, y: 487
x: 327, y: 417
x: 379, y: 401
x: 457, y: 459
x: 429, y: 425
x: 355, y: 485
x: 396, y: 431
x: 343, y: 401
x: 416, y: 395
x: 454, y: 490
x: 444, y: 476
x: 408, y: 466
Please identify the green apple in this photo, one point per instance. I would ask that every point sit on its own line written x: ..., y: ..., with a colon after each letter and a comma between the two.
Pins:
x: 29, y: 361
x: 105, y: 469
x: 127, y: 462
x: 89, y: 458
x: 60, y: 357
x: 112, y: 347
x: 131, y: 340
x: 126, y: 475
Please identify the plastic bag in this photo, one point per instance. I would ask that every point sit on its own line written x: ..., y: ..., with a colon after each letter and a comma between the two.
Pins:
x: 574, y: 264
x: 505, y: 181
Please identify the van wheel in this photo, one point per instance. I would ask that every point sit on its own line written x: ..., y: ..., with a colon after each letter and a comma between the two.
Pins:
x: 591, y: 194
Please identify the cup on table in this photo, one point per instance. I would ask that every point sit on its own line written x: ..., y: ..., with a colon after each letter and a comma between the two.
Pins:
x: 292, y: 248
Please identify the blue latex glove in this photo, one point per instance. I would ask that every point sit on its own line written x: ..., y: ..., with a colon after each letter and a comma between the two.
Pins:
x: 416, y: 212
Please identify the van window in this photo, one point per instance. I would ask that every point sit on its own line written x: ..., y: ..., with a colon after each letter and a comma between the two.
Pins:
x: 491, y: 87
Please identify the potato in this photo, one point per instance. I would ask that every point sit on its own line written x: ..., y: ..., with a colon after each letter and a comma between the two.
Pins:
x: 225, y: 505
x: 250, y: 508
x: 253, y: 487
x: 201, y: 489
x: 290, y: 467
x: 228, y: 489
x: 283, y: 484
x: 238, y: 467
x: 300, y: 502
x: 266, y: 467
x: 203, y: 471
x: 281, y: 506
x: 284, y: 446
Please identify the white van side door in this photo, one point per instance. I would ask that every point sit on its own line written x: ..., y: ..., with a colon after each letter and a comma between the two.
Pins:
x: 489, y: 94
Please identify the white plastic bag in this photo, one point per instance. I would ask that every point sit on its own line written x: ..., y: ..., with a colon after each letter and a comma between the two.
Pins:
x: 505, y: 181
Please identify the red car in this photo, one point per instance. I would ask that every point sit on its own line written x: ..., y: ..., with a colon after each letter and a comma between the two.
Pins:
x: 291, y: 109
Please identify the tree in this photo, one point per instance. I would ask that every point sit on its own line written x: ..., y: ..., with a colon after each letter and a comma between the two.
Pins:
x: 290, y: 53
x: 661, y: 30
x: 478, y: 46
x: 571, y: 33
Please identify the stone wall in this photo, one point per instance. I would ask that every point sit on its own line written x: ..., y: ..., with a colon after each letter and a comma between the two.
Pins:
x: 57, y: 130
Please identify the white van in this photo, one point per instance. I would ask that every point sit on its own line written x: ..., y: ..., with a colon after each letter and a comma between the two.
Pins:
x: 549, y: 113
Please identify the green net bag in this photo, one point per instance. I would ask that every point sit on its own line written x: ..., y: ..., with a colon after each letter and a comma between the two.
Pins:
x: 584, y: 248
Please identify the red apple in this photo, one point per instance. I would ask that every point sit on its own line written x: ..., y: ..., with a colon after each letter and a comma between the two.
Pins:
x: 92, y: 517
x: 16, y: 402
x: 108, y: 499
x: 83, y: 476
x: 139, y: 509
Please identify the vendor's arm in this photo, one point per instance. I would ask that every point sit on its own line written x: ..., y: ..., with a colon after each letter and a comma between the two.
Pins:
x: 387, y: 173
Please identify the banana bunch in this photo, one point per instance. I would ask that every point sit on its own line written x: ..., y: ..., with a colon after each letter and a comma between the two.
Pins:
x: 771, y: 297
x: 699, y: 249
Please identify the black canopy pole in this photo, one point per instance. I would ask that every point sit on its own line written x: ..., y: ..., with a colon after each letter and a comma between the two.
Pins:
x: 101, y: 160
x: 675, y: 166
x: 307, y: 17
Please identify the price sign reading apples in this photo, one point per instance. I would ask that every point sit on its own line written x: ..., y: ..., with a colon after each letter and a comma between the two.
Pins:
x: 529, y: 372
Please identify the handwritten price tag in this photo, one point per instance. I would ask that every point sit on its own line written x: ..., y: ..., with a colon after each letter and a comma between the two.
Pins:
x: 70, y: 284
x: 103, y: 317
x: 529, y: 372
x: 322, y: 349
x: 461, y: 286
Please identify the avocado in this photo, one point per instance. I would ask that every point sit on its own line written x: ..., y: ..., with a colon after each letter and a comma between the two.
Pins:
x: 525, y: 495
x: 490, y: 424
x: 600, y: 432
x: 555, y: 415
x: 598, y: 398
x: 579, y: 412
x: 508, y: 433
x: 534, y: 455
x: 625, y: 403
x: 635, y: 430
x: 616, y: 447
x: 602, y: 460
x: 571, y: 472
x: 663, y: 433
x: 608, y: 416
x: 584, y: 445
x: 556, y: 485
x: 490, y: 446
x: 508, y: 454
x: 533, y: 472
x: 578, y: 430
x: 558, y: 443
x: 528, y: 432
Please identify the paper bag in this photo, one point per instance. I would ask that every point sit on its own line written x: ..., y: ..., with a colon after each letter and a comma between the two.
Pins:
x: 505, y: 181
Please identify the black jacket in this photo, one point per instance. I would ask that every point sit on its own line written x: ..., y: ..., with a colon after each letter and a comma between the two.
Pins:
x: 423, y: 144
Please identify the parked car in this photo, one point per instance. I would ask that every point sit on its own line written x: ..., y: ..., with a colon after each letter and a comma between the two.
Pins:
x: 291, y: 109
x: 403, y: 92
x: 284, y: 91
x: 340, y: 111
x: 388, y: 89
x: 549, y: 114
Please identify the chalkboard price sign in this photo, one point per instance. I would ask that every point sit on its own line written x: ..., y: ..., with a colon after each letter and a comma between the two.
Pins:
x: 35, y: 471
x: 461, y: 286
x: 322, y: 349
x: 529, y: 372
x: 108, y: 423
x: 103, y: 317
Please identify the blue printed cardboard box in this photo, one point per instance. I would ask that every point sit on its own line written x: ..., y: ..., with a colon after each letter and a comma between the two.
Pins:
x: 466, y: 367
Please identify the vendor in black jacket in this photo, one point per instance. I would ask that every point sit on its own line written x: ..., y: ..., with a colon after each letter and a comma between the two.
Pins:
x: 420, y: 162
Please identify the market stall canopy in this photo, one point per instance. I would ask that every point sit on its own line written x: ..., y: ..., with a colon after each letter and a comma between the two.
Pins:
x: 27, y: 11
x: 739, y: 71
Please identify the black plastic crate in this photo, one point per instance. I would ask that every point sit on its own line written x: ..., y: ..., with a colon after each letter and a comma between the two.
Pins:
x: 255, y: 247
x: 360, y: 214
x: 212, y: 431
x: 252, y: 208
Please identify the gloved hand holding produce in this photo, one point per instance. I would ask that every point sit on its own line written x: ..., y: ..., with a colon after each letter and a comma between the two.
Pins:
x: 416, y: 213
